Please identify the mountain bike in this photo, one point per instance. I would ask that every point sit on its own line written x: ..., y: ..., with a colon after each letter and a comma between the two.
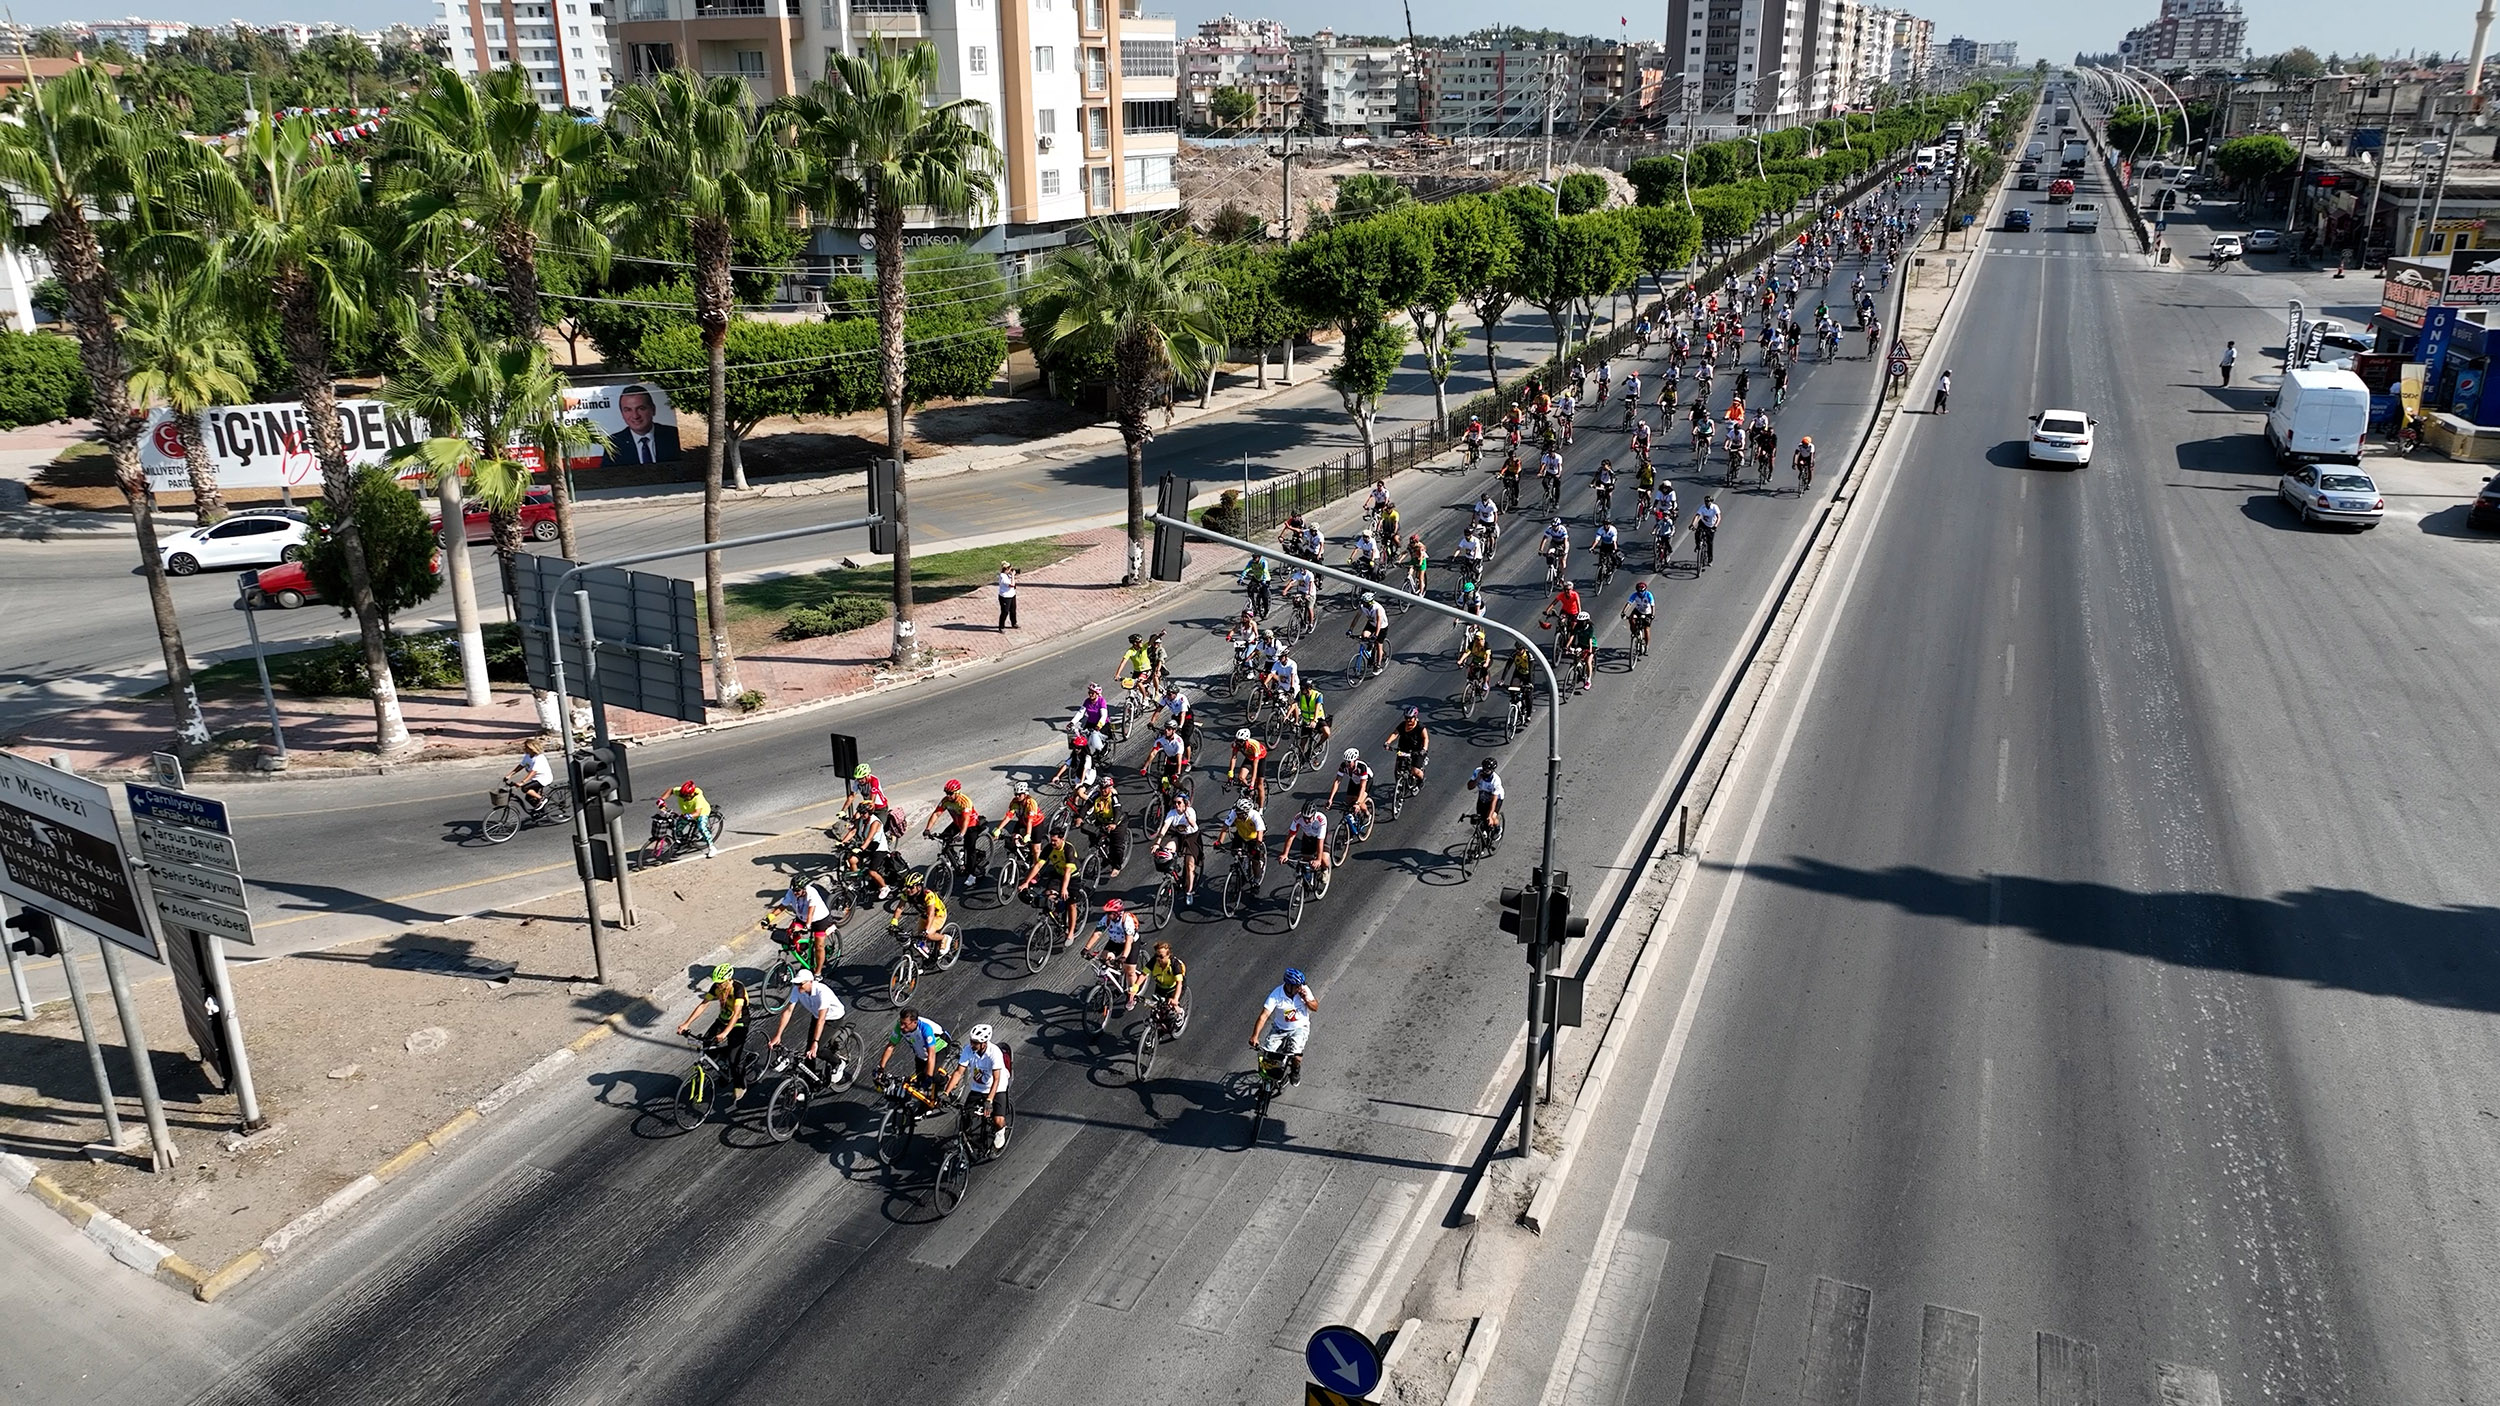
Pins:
x: 508, y: 812
x: 804, y: 1077
x: 976, y: 1140
x: 1107, y: 993
x: 673, y: 835
x: 905, y: 1105
x: 1268, y: 1082
x: 1045, y: 937
x: 1605, y: 568
x: 1518, y: 708
x: 707, y: 1088
x: 1164, y: 1022
x: 1406, y: 784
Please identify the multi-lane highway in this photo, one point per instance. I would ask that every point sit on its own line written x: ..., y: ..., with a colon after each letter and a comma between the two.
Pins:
x: 2098, y: 957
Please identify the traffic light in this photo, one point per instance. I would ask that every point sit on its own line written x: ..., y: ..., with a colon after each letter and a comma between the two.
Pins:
x: 883, y: 474
x: 1520, y: 914
x: 1560, y: 926
x: 603, y: 775
x: 43, y: 937
x: 1172, y: 501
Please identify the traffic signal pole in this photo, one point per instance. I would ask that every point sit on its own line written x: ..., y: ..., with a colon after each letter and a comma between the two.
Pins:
x: 1553, y: 760
x: 569, y: 584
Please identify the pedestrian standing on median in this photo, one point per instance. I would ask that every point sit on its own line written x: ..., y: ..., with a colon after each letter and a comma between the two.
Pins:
x: 2230, y: 358
x: 1007, y: 597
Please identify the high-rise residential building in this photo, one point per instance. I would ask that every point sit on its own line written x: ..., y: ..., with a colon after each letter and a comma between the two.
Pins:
x: 2188, y: 34
x: 1349, y: 87
x: 1255, y: 56
x: 135, y: 34
x: 2004, y: 53
x: 1492, y: 89
x: 1833, y: 78
x: 561, y: 44
x: 1961, y: 52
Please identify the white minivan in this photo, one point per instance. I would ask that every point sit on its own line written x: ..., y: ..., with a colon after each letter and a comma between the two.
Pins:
x: 2319, y: 416
x: 2083, y: 214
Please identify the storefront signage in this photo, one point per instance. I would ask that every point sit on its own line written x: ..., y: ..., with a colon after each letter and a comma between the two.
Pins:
x: 2411, y: 290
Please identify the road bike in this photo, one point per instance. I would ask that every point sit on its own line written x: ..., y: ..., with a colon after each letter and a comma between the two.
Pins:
x: 707, y: 1088
x: 803, y: 1078
x: 1805, y: 477
x: 1107, y: 994
x: 918, y: 958
x: 1046, y: 936
x: 1605, y: 568
x: 1242, y: 875
x: 1365, y: 664
x: 1640, y: 638
x: 1518, y: 708
x: 508, y: 811
x: 1309, y: 885
x: 1482, y: 839
x: 1703, y: 548
x: 1471, y: 695
x: 976, y: 1140
x: 1406, y: 785
x: 1351, y: 829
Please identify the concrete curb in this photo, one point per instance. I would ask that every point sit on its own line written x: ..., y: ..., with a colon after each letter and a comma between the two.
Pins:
x: 1482, y: 1338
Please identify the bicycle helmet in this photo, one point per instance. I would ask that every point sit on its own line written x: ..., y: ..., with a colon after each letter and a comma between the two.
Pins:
x: 953, y: 786
x: 1369, y: 598
x: 1412, y: 714
x: 915, y: 880
x: 979, y: 1034
x: 1583, y: 615
x: 1554, y: 522
x: 722, y: 991
x: 1093, y: 690
x: 1640, y: 585
x: 1241, y: 734
x: 722, y: 973
x: 1136, y: 639
x: 1804, y: 439
x: 1023, y: 789
x: 802, y: 977
x: 860, y: 772
x: 686, y: 789
x: 1294, y: 976
x: 1354, y: 754
x: 1113, y: 905
x: 1487, y: 766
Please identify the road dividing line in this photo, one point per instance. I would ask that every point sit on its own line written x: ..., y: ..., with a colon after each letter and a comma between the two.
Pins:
x: 2005, y: 752
x: 2018, y: 594
x: 2009, y: 671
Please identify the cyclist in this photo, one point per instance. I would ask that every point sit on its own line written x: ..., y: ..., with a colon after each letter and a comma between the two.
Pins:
x: 1249, y: 759
x: 1105, y: 828
x: 1580, y: 641
x: 1706, y: 524
x: 1510, y: 477
x: 806, y: 918
x: 1354, y: 777
x: 1418, y: 560
x: 866, y: 795
x: 985, y: 1063
x: 1137, y: 667
x: 1173, y: 710
x: 1488, y: 519
x: 1284, y: 1024
x: 1116, y: 925
x: 1638, y: 608
x: 932, y: 933
x: 926, y: 1040
x: 534, y: 775
x: 822, y: 1007
x: 1411, y: 741
x: 1521, y: 675
x: 1371, y: 622
x: 1168, y: 975
x: 1475, y: 439
x: 1306, y: 838
x: 880, y: 848
x: 1604, y: 481
x: 1554, y: 544
x: 1376, y: 501
x: 1486, y: 786
x: 1606, y: 546
x: 1055, y: 865
x: 1243, y: 829
x: 1805, y: 461
x: 963, y: 824
x: 1475, y: 659
x: 1180, y: 822
x: 1167, y: 760
x: 1085, y: 750
x: 1549, y: 475
x: 1310, y: 712
x: 1283, y: 677
x: 689, y: 808
x: 1095, y: 711
x: 729, y: 1028
x: 1564, y: 605
x: 1389, y: 526
x: 1020, y: 828
x: 1256, y: 578
x: 1363, y: 558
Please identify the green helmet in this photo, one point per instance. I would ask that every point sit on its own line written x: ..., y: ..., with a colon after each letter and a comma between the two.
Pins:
x: 860, y: 772
x: 723, y: 972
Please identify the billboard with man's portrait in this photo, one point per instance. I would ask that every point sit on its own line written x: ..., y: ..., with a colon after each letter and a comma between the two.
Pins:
x: 636, y: 423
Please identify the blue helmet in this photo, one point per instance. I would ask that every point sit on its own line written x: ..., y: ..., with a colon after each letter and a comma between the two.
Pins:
x: 1293, y: 976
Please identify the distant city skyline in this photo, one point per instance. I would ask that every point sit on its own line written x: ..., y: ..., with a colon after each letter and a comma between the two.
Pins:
x: 369, y: 16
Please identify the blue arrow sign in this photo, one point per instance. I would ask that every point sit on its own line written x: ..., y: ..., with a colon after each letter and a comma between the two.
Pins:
x: 178, y: 808
x: 1343, y: 1360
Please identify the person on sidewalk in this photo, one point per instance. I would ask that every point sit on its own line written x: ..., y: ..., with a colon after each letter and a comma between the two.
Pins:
x: 1007, y: 596
x: 2230, y: 358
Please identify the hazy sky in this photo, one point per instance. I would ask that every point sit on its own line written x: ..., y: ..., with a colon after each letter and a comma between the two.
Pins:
x: 2052, y: 31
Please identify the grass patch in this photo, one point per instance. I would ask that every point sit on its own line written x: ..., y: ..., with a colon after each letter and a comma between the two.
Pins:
x: 841, y: 599
x: 336, y: 670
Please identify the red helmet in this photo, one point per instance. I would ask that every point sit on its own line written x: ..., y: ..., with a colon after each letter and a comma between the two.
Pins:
x: 687, y: 789
x: 1113, y: 905
x: 953, y: 786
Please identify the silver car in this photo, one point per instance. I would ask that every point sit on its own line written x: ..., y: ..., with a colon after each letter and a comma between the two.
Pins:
x: 2331, y: 493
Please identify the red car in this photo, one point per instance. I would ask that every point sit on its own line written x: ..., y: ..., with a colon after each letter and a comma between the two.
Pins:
x: 538, y: 519
x: 285, y: 586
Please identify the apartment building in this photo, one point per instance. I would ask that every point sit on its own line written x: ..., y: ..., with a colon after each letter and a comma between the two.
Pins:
x: 561, y: 44
x: 1255, y: 56
x: 135, y: 34
x: 2188, y: 34
x: 1480, y: 90
x: 1351, y: 88
x: 1909, y: 50
x: 1740, y: 61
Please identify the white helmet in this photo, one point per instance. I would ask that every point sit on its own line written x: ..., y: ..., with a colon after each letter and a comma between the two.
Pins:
x: 1241, y: 734
x: 979, y: 1034
x: 1354, y: 754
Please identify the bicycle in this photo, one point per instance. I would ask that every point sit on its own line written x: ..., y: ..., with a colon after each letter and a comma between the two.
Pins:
x: 905, y: 1105
x: 1045, y: 937
x: 1268, y: 1082
x: 1350, y: 830
x: 1107, y: 993
x: 1518, y: 709
x: 1554, y: 568
x: 1605, y: 504
x: 1167, y: 894
x: 1765, y: 462
x: 508, y: 812
x: 964, y: 1151
x: 1482, y: 839
x: 1703, y: 548
x: 803, y: 1077
x: 917, y: 959
x: 1414, y: 585
x: 673, y: 834
x: 705, y: 1089
x: 1365, y: 664
x: 1640, y: 638
x: 1553, y: 491
x: 1605, y: 569
x: 1405, y: 787
x: 1471, y: 695
x: 1309, y: 885
x: 773, y: 992
x: 1242, y: 875
x: 954, y: 866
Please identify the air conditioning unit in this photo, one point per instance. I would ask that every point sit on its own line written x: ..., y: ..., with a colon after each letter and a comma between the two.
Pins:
x: 1044, y: 143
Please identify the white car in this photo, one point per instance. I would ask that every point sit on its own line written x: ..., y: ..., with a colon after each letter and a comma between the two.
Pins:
x: 2265, y: 241
x: 252, y: 537
x: 2225, y: 247
x: 2061, y: 437
x: 2331, y: 493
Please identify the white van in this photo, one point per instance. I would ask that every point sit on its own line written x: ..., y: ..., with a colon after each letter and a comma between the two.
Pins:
x: 2318, y: 417
x: 2083, y: 214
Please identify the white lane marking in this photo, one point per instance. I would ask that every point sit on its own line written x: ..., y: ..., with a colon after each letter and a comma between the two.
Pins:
x: 2009, y: 671
x: 2022, y: 488
x: 1352, y: 1261
x: 2018, y: 539
x: 2005, y: 749
x: 2018, y: 593
x: 1603, y: 1367
x: 1987, y: 1086
x: 2186, y: 1386
x: 1245, y: 1262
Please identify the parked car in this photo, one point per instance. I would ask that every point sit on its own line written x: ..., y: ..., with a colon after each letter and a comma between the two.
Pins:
x: 286, y: 586
x: 2265, y: 241
x: 2018, y: 219
x: 2319, y: 413
x: 2486, y: 509
x: 538, y: 518
x: 2331, y: 493
x: 248, y: 538
x: 2224, y: 248
x: 2061, y: 437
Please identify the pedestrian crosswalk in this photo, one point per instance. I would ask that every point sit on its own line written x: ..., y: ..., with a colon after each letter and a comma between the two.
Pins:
x: 1736, y: 1353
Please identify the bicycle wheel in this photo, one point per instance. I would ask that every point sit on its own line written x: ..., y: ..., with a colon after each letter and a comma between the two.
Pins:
x: 954, y: 1177
x: 939, y: 875
x: 953, y: 948
x: 1341, y: 841
x: 786, y: 1107
x: 502, y: 823
x: 901, y: 979
x: 1236, y: 888
x: 893, y: 1138
x: 1100, y: 1000
x: 1397, y: 797
x: 559, y: 806
x: 1295, y: 902
x: 1041, y: 943
x: 1142, y: 1049
x: 1167, y: 894
x: 694, y: 1098
x: 999, y: 880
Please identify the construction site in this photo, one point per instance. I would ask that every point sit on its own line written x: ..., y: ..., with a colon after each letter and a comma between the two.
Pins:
x: 1252, y: 176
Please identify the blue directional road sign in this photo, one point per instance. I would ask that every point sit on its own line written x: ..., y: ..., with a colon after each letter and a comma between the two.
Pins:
x: 1343, y: 1360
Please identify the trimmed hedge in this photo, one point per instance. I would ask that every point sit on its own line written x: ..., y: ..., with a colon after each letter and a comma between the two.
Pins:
x: 40, y: 380
x: 837, y: 617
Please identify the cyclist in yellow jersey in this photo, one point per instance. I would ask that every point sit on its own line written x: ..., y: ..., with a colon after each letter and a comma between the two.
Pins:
x: 1055, y: 871
x: 931, y: 927
x: 689, y: 802
x: 1310, y: 710
x: 1166, y: 977
x: 1137, y: 664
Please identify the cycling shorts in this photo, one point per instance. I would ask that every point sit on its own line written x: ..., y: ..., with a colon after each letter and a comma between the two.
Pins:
x: 1287, y: 1042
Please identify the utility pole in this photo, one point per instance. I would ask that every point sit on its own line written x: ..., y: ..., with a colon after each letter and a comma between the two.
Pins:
x: 2473, y: 105
x: 1551, y: 71
x: 1284, y: 224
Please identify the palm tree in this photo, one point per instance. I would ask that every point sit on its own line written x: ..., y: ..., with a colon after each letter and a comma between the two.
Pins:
x: 877, y: 148
x: 94, y: 169
x: 287, y: 216
x: 184, y: 352
x: 689, y: 156
x: 1144, y: 295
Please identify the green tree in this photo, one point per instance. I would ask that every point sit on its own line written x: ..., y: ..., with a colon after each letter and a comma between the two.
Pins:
x: 1470, y: 241
x: 1359, y: 197
x: 877, y: 147
x: 1567, y: 264
x: 2294, y: 65
x: 94, y: 169
x: 1145, y: 296
x: 1726, y: 213
x: 688, y: 154
x: 184, y: 352
x: 1232, y: 107
x: 1356, y: 276
x: 1495, y: 286
x: 1230, y: 224
x: 1583, y: 191
x: 1666, y: 239
x: 397, y: 548
x: 2250, y: 162
x: 289, y: 215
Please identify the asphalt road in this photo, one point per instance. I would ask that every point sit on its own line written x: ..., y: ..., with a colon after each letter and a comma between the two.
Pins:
x: 112, y: 653
x: 1130, y: 1239
x: 2099, y: 1005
